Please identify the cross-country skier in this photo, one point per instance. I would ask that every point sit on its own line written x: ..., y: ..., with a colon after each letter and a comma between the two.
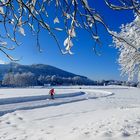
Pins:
x: 51, y: 92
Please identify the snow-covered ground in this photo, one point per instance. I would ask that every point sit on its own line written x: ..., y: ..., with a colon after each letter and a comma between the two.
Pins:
x: 77, y: 113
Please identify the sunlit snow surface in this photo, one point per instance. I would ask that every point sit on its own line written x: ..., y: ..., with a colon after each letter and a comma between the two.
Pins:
x: 77, y: 113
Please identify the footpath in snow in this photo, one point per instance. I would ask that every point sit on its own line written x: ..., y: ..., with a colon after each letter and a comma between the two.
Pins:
x: 8, y: 104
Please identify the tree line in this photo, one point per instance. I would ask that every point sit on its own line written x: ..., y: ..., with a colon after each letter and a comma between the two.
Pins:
x: 29, y: 79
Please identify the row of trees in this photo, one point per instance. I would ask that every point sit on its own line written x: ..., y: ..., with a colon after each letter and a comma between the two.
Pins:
x: 24, y: 79
x: 29, y: 79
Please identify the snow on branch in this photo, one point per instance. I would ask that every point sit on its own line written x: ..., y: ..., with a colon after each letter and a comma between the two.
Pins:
x: 68, y: 16
x: 17, y: 16
x: 124, y: 5
x: 128, y: 43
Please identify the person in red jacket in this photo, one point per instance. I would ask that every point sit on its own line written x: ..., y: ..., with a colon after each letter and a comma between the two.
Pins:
x: 51, y: 92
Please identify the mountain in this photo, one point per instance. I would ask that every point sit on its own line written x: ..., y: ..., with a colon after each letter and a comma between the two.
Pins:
x: 40, y: 70
x: 37, y: 69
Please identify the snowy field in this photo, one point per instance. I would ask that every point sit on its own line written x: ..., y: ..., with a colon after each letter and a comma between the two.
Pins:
x: 77, y: 113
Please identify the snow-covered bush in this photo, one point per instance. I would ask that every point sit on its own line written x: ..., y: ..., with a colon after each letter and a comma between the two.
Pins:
x: 138, y: 85
x: 8, y: 80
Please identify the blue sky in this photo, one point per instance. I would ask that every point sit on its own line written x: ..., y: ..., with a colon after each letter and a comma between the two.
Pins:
x: 84, y: 61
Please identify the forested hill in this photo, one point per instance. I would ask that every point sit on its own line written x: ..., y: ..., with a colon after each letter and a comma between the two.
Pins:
x: 38, y: 74
x: 37, y: 69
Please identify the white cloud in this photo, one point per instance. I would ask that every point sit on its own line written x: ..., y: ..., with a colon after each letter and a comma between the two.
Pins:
x: 2, y: 62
